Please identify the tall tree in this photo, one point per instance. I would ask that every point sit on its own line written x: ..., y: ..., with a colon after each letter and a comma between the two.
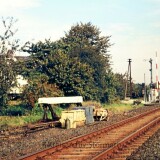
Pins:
x: 137, y: 90
x: 8, y: 46
x: 110, y: 92
x: 120, y: 84
x: 77, y: 63
x: 71, y: 76
x: 85, y: 43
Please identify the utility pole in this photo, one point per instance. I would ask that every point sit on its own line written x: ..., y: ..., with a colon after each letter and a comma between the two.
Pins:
x: 150, y: 61
x: 130, y: 79
x: 145, y: 97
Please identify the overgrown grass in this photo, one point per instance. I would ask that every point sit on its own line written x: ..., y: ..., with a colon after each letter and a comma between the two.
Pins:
x: 19, y: 115
x: 116, y: 108
x: 92, y: 103
x: 121, y: 107
x: 14, y: 121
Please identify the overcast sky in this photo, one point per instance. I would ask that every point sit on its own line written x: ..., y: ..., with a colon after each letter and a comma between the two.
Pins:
x: 134, y: 26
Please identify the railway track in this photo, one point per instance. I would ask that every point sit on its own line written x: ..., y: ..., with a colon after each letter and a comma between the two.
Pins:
x: 29, y: 129
x: 107, y: 143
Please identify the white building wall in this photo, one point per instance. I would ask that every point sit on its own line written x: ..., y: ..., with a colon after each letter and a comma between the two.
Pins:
x: 21, y: 82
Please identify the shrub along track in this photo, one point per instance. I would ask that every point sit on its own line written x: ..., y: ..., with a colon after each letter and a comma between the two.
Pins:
x: 104, y: 142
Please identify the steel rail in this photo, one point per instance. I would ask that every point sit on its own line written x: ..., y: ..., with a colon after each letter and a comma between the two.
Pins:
x: 78, y: 139
x: 109, y: 153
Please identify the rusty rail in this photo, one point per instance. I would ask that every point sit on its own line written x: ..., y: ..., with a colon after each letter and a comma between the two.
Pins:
x: 79, y: 139
x: 109, y: 154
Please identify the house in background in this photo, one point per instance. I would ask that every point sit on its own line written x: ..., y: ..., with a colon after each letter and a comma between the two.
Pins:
x: 17, y: 90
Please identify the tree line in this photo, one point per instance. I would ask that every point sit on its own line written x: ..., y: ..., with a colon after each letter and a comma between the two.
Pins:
x: 78, y: 64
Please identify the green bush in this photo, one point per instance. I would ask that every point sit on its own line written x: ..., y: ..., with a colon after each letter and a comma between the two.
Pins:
x: 37, y: 110
x: 21, y: 110
x: 58, y: 110
x: 17, y: 110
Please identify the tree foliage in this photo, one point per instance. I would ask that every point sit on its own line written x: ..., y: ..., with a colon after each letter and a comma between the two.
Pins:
x: 120, y: 84
x: 71, y: 76
x: 85, y: 43
x: 78, y: 64
x: 137, y: 90
x: 8, y: 46
x: 38, y: 87
x: 110, y: 94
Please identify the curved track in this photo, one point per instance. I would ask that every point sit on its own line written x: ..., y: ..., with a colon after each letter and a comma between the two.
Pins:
x: 104, y: 143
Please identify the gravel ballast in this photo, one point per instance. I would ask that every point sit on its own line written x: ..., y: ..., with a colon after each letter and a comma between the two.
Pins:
x: 16, y: 146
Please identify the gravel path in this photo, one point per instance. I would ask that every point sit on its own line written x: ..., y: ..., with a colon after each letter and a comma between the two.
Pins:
x: 19, y: 145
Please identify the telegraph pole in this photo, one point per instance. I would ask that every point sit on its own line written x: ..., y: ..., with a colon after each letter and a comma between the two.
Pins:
x: 145, y: 97
x: 130, y: 79
x: 150, y: 61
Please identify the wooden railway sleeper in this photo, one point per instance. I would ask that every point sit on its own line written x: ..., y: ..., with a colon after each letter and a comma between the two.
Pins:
x: 110, y: 152
x: 115, y: 126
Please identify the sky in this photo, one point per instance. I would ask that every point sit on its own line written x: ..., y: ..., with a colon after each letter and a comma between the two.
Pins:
x: 134, y: 27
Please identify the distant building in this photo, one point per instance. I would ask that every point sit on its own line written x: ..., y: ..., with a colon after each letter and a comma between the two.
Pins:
x: 21, y: 82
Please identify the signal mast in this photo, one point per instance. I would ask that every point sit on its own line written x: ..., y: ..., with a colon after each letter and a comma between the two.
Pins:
x: 157, y: 81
